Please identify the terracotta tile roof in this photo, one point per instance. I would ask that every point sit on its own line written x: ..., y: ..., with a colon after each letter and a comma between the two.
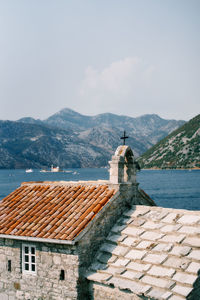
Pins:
x: 55, y: 210
x: 154, y: 252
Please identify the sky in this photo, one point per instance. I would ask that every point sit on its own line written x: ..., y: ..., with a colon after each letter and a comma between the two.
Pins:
x: 127, y: 57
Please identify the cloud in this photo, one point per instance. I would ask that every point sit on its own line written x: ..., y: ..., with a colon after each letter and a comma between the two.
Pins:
x: 116, y: 85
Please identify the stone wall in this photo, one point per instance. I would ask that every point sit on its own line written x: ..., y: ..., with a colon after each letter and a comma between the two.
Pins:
x: 100, y: 227
x: 50, y: 258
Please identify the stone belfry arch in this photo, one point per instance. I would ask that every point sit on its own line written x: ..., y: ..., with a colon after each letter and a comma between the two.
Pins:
x: 122, y: 166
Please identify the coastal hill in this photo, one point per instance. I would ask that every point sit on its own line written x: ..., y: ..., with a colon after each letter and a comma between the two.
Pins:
x: 69, y: 139
x: 147, y: 128
x: 180, y: 149
x: 104, y: 130
x: 38, y: 146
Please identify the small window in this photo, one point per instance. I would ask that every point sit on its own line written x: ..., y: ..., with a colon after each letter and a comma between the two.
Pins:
x: 28, y: 259
x: 62, y: 275
x: 9, y: 265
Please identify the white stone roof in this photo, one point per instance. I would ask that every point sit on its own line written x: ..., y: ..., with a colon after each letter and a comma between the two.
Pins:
x: 152, y: 251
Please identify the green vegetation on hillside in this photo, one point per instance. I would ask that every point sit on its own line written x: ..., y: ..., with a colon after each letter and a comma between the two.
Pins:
x: 180, y: 149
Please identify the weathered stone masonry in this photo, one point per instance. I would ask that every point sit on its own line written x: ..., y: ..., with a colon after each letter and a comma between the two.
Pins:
x: 46, y: 284
x: 151, y: 253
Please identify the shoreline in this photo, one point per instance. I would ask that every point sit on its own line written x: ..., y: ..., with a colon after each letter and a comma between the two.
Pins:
x: 183, y: 169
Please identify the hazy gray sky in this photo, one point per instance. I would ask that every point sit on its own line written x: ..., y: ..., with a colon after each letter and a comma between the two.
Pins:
x: 130, y: 57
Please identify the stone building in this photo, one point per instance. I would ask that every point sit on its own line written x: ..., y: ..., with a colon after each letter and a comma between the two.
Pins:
x: 96, y: 240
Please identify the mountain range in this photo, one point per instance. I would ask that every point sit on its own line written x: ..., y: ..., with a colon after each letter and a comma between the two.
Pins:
x: 70, y: 139
x: 106, y: 129
x: 180, y: 149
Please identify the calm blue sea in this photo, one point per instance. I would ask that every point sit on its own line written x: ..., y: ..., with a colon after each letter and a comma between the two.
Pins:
x: 168, y: 188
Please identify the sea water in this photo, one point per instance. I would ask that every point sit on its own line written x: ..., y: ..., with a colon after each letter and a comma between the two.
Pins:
x: 168, y: 188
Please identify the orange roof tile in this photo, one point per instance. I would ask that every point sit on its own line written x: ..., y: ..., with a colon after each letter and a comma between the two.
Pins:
x: 51, y: 209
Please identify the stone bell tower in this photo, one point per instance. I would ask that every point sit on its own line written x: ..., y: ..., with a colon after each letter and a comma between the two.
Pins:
x: 122, y: 166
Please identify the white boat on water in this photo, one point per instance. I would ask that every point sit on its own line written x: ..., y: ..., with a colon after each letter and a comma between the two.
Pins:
x: 55, y: 169
x: 29, y: 170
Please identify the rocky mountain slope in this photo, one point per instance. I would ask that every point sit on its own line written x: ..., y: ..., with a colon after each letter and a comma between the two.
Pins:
x: 150, y: 127
x: 69, y: 139
x: 34, y: 146
x: 104, y: 130
x: 180, y: 149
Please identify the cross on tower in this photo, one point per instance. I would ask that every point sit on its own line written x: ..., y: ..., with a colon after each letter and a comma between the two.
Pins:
x: 124, y: 137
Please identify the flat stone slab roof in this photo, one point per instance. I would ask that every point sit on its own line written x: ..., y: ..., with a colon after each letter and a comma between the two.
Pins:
x: 152, y: 251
